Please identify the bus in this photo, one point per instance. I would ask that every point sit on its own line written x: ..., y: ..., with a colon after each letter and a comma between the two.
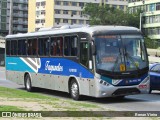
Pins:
x: 97, y: 61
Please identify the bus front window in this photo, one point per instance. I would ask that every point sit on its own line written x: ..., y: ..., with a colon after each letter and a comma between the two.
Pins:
x: 116, y: 52
x: 108, y: 52
x: 134, y: 52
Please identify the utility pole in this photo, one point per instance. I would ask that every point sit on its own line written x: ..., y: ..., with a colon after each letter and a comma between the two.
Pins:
x: 140, y: 22
x: 11, y: 17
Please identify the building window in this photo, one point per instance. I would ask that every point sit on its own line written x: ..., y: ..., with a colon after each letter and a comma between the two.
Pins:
x: 74, y: 12
x: 121, y: 7
x: 65, y: 3
x: 73, y: 21
x: 37, y: 21
x: 65, y: 20
x: 36, y: 29
x: 37, y: 4
x: 43, y: 3
x: 74, y: 3
x: 57, y: 20
x: 43, y: 21
x: 37, y: 13
x: 43, y: 12
x: 87, y: 22
x: 81, y: 21
x: 15, y: 4
x: 152, y: 7
x: 57, y: 11
x: 158, y: 6
x: 114, y: 6
x: 81, y: 4
x: 58, y: 2
x: 65, y: 11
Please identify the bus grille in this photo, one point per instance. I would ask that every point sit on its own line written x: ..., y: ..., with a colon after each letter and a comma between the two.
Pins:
x: 126, y: 91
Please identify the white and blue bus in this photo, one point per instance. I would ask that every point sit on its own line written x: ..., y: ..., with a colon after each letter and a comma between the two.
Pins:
x: 97, y: 61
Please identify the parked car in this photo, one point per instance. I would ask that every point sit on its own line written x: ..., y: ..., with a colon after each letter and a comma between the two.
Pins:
x: 154, y: 76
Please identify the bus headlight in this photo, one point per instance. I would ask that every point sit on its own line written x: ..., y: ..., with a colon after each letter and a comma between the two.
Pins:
x: 104, y: 82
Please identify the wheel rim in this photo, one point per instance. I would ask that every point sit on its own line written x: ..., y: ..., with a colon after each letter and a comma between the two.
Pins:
x: 74, y: 89
x: 28, y: 84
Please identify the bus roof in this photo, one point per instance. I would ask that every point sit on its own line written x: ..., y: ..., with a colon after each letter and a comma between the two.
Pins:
x: 72, y: 29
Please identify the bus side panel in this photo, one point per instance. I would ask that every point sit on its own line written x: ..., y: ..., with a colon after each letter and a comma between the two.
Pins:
x: 17, y: 77
x: 50, y: 81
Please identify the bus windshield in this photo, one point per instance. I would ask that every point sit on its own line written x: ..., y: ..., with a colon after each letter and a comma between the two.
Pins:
x: 120, y: 53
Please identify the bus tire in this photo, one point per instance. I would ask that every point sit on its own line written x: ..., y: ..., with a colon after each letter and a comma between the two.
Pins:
x: 74, y: 90
x: 28, y: 84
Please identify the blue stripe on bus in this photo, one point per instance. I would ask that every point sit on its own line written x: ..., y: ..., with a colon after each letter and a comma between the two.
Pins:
x: 56, y: 66
x: 125, y: 82
x: 16, y: 64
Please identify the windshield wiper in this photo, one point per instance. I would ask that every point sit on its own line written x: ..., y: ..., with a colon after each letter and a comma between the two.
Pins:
x: 116, y: 62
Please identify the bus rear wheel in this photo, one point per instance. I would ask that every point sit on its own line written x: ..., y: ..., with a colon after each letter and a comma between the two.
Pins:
x: 28, y: 84
x: 74, y: 90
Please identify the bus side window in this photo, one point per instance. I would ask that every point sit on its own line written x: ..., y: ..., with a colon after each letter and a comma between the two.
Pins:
x: 13, y: 47
x: 32, y: 46
x: 21, y: 47
x: 56, y: 46
x: 70, y: 46
x: 43, y: 46
x: 8, y: 47
x: 67, y: 46
x: 74, y: 43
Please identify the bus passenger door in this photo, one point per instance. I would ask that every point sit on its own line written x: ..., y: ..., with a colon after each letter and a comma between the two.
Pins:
x: 84, y: 53
x: 84, y: 83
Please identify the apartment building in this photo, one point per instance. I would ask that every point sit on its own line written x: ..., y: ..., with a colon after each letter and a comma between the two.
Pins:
x: 19, y: 16
x: 47, y: 13
x: 150, y: 16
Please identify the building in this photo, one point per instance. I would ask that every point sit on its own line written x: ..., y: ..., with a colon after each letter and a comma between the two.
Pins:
x: 150, y: 16
x: 47, y: 13
x: 19, y: 16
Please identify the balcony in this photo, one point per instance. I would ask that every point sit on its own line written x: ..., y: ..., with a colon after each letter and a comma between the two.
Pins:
x: 20, y: 22
x: 20, y: 1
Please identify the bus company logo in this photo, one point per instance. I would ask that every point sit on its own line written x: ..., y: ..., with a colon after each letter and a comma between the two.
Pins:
x: 116, y: 82
x: 52, y: 68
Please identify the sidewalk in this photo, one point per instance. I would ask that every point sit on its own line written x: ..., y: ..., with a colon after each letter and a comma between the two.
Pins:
x: 2, y: 68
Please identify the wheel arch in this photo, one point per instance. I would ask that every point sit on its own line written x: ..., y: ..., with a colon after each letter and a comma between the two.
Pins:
x: 69, y: 82
x: 25, y: 74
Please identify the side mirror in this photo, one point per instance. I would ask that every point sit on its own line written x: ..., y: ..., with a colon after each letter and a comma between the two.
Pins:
x: 90, y: 64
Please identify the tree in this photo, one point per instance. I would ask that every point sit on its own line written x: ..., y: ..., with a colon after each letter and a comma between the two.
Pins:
x: 105, y: 15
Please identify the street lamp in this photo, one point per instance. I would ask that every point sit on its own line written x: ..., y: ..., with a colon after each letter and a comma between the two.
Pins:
x: 140, y: 22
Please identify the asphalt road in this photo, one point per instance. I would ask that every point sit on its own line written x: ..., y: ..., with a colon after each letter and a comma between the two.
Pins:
x: 142, y: 102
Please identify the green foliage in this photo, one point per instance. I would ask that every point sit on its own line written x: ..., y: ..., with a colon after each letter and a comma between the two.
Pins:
x: 150, y: 43
x: 105, y: 15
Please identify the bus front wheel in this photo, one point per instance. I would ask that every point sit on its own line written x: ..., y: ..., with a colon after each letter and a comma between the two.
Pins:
x: 28, y: 84
x: 74, y: 90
